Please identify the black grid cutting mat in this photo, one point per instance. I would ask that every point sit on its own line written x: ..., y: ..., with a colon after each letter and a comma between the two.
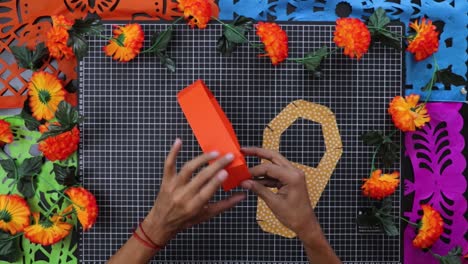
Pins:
x: 132, y: 118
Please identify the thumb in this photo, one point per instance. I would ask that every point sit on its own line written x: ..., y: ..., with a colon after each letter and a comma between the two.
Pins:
x: 266, y: 194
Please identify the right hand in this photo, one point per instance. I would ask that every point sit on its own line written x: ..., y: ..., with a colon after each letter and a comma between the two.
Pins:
x: 291, y: 204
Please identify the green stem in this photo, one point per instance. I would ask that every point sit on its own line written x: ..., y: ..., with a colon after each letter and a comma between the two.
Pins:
x: 61, y: 194
x: 301, y: 60
x: 257, y: 46
x: 150, y: 49
x: 402, y: 218
x: 110, y: 39
x: 13, y: 237
x: 373, y: 157
x: 387, y: 31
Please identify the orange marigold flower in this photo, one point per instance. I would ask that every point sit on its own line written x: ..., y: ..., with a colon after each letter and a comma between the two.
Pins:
x: 47, y: 232
x: 45, y: 94
x: 407, y: 114
x: 14, y: 213
x: 84, y: 204
x: 275, y: 40
x: 198, y: 12
x: 126, y: 43
x: 57, y: 38
x: 425, y: 42
x: 352, y: 35
x: 60, y: 147
x: 379, y: 186
x: 431, y: 227
x: 6, y: 136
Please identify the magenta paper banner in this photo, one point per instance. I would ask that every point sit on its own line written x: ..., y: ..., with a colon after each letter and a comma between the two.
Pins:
x: 438, y: 164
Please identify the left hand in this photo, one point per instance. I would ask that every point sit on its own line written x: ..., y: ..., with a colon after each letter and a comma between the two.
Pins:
x: 183, y: 200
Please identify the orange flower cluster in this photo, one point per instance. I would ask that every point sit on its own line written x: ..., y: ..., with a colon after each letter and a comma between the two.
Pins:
x: 14, y: 213
x: 352, y: 35
x: 84, y: 204
x: 57, y: 38
x: 198, y: 12
x: 6, y: 136
x: 275, y: 40
x: 60, y: 147
x: 45, y: 94
x: 431, y: 228
x: 49, y: 231
x: 425, y: 42
x: 406, y: 114
x: 379, y: 186
x: 126, y: 43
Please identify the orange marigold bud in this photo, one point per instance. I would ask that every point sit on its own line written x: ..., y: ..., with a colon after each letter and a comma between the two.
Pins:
x: 6, y: 136
x: 425, y: 42
x: 275, y: 40
x: 431, y: 228
x: 379, y: 186
x: 407, y: 114
x: 352, y: 35
x: 60, y: 147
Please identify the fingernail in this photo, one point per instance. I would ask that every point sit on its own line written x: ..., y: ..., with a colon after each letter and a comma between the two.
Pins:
x: 177, y: 141
x: 222, y: 175
x: 214, y: 154
x: 229, y: 156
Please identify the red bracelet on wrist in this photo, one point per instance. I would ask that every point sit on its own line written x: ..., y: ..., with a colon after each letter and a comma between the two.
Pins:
x: 147, y: 241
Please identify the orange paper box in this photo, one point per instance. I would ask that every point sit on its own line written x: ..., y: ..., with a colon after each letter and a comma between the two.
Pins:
x: 213, y: 129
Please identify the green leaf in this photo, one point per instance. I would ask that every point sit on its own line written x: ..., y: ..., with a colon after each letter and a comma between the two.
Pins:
x: 160, y: 42
x: 224, y: 46
x: 9, y: 166
x: 65, y: 175
x: 30, y: 122
x: 378, y: 20
x: 30, y: 167
x: 87, y: 27
x: 387, y: 224
x: 452, y: 257
x: 168, y: 62
x: 372, y: 138
x: 27, y: 186
x: 237, y: 30
x: 387, y: 39
x: 234, y: 33
x: 28, y: 59
x: 447, y: 77
x: 312, y: 60
x: 9, y: 247
x: 67, y: 116
x: 79, y: 45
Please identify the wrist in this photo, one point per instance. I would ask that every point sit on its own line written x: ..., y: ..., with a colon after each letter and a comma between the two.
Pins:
x: 159, y: 234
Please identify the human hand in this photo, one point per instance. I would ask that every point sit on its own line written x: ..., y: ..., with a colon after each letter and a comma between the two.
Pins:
x: 291, y: 204
x: 182, y: 200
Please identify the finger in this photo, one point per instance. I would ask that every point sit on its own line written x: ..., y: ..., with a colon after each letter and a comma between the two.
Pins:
x: 208, y: 172
x: 211, y: 187
x: 217, y: 208
x: 266, y: 194
x: 270, y: 183
x: 171, y: 159
x: 273, y: 156
x: 273, y: 171
x: 190, y: 167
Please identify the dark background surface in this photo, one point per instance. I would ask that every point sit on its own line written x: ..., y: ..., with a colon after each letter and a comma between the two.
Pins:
x: 132, y: 118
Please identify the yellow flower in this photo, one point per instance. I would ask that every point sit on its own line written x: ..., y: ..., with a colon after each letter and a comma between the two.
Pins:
x: 126, y: 43
x: 379, y: 186
x: 352, y: 35
x: 431, y: 228
x: 45, y: 94
x: 407, y: 114
x: 14, y: 213
x: 84, y: 204
x: 425, y: 42
x: 47, y: 232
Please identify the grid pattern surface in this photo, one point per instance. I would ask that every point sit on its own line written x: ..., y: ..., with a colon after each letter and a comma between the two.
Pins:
x: 132, y: 118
